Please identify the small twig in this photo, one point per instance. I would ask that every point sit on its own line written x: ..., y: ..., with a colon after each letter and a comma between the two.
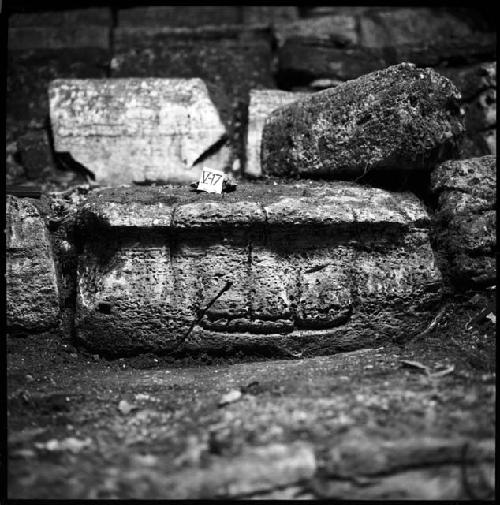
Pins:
x: 203, y: 312
x: 437, y: 318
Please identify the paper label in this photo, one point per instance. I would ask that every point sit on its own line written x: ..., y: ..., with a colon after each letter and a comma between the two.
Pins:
x: 211, y: 181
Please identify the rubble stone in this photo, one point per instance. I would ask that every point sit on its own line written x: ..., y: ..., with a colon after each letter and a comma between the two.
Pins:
x: 401, y: 118
x: 32, y: 290
x: 313, y: 267
x: 138, y: 130
x: 465, y: 222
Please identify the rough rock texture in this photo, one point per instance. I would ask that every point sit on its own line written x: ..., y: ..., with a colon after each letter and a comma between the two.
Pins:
x: 397, y: 26
x: 382, y: 37
x: 53, y: 37
x: 137, y: 130
x: 340, y: 30
x: 234, y: 58
x: 269, y: 14
x: 465, y: 222
x: 101, y: 16
x: 310, y: 268
x: 32, y: 291
x: 399, y: 118
x: 188, y: 16
x: 478, y: 86
x: 262, y: 103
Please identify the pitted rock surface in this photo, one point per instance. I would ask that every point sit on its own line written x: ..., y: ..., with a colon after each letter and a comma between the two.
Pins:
x: 136, y: 130
x: 32, y: 290
x: 466, y: 217
x: 307, y: 267
x: 401, y: 118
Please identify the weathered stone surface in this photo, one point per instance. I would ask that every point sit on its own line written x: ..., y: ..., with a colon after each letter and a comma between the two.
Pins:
x: 93, y: 16
x: 339, y: 30
x: 262, y: 103
x: 465, y: 224
x: 138, y: 130
x: 269, y: 14
x: 32, y: 291
x: 234, y: 58
x: 187, y: 16
x: 401, y: 118
x: 307, y: 267
x: 397, y: 26
x: 303, y: 59
x: 50, y: 37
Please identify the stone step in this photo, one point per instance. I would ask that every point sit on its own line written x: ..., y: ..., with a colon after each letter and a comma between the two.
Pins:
x: 305, y: 267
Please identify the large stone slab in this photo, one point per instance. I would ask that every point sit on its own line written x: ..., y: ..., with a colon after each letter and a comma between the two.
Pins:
x: 465, y: 222
x: 176, y: 16
x: 304, y: 59
x: 305, y: 267
x: 59, y: 37
x: 138, y: 130
x: 401, y: 118
x: 31, y: 282
x: 397, y: 26
x: 262, y: 103
x: 234, y: 58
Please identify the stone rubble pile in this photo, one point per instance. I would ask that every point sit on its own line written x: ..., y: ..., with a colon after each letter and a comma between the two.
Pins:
x: 305, y: 266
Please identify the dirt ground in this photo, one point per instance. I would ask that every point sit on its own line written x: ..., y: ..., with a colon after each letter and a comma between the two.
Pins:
x: 80, y: 426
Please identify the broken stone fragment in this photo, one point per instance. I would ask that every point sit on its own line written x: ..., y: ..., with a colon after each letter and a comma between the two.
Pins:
x: 138, y: 130
x: 401, y: 118
x: 262, y: 103
x: 310, y: 268
x: 32, y: 290
x: 465, y: 221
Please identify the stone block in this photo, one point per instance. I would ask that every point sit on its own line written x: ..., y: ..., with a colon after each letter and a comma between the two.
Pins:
x: 401, y: 118
x: 59, y: 37
x: 233, y: 59
x: 138, y: 130
x: 100, y: 16
x: 310, y: 277
x: 185, y: 16
x: 269, y: 14
x: 31, y: 281
x: 262, y: 103
x: 410, y: 25
x: 338, y: 30
x: 465, y: 221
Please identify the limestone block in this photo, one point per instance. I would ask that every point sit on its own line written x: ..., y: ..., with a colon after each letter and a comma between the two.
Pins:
x: 188, y: 16
x: 318, y: 275
x: 262, y: 103
x: 399, y: 118
x: 59, y: 37
x: 269, y: 14
x: 465, y: 223
x: 397, y: 26
x: 137, y: 130
x: 232, y: 58
x: 101, y: 16
x: 32, y: 290
x: 341, y: 30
